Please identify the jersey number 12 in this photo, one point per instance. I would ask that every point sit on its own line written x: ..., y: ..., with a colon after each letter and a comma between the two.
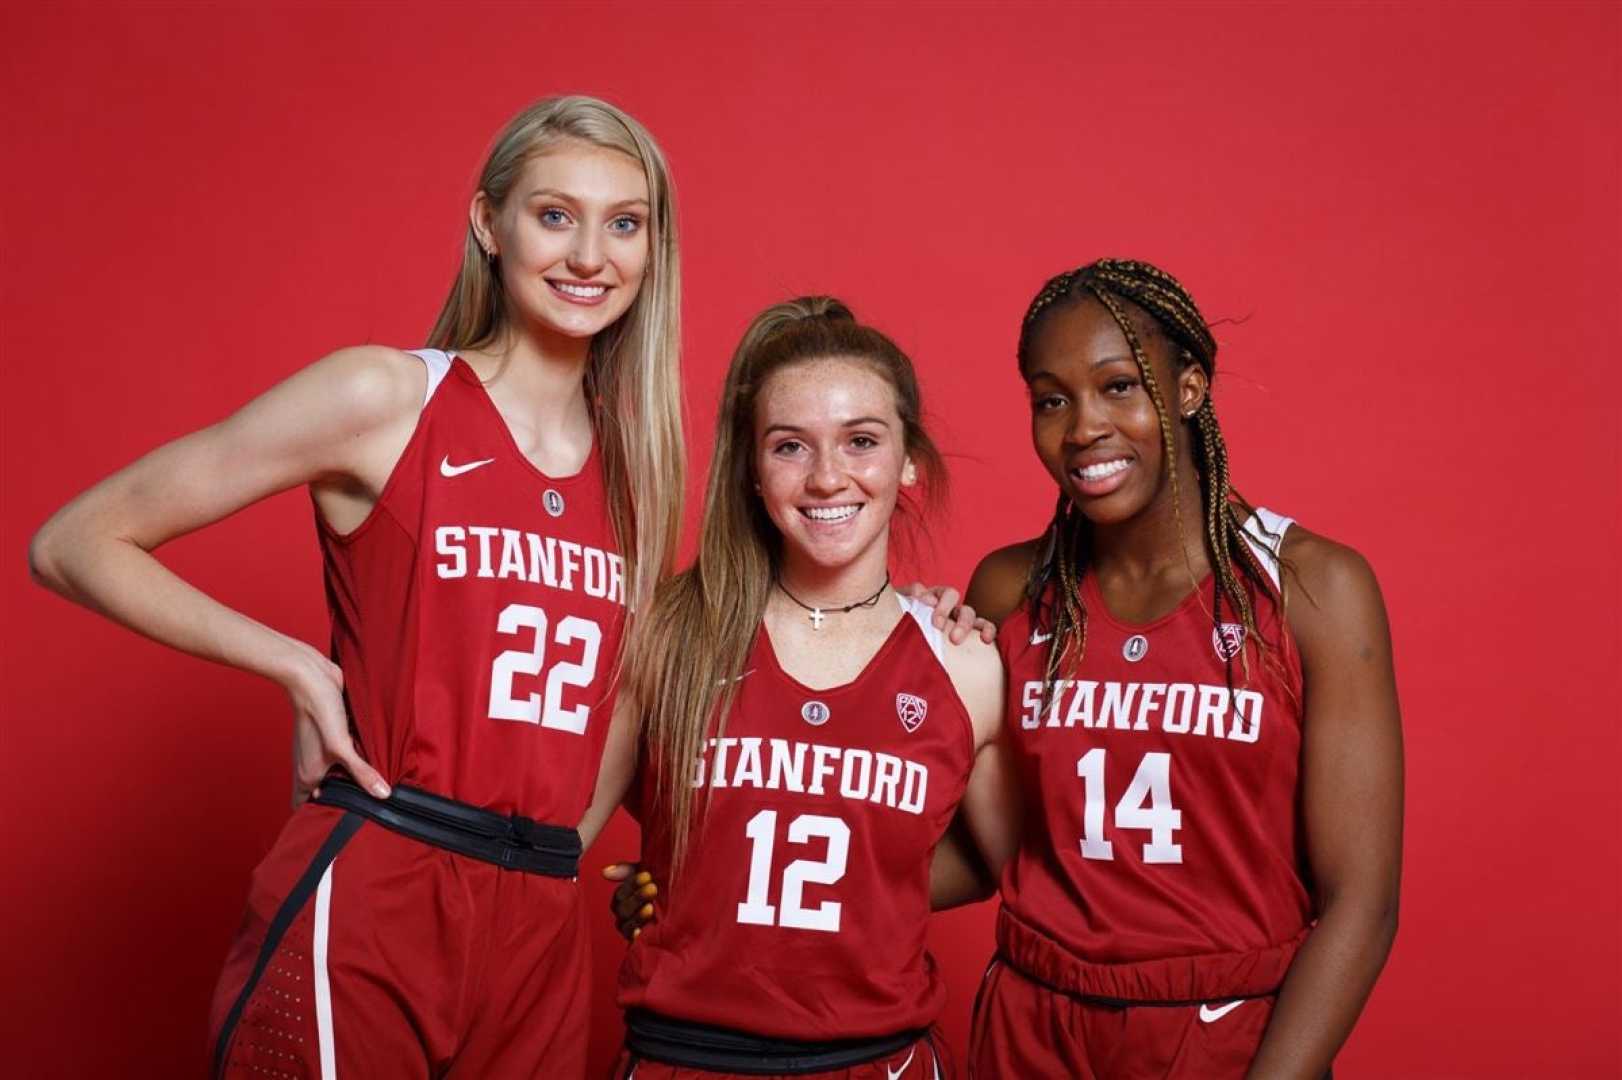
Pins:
x: 790, y: 912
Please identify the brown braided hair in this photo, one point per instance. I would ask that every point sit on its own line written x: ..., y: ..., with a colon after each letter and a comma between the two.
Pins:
x: 1122, y: 285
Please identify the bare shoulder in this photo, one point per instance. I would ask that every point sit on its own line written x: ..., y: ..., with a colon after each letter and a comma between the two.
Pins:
x: 1330, y: 589
x: 373, y: 384
x: 998, y: 585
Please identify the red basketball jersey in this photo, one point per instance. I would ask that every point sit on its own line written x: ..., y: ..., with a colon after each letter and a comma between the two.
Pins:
x: 477, y: 613
x: 1163, y: 847
x: 802, y: 906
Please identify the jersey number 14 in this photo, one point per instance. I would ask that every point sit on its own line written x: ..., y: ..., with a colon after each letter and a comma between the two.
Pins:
x: 1145, y: 805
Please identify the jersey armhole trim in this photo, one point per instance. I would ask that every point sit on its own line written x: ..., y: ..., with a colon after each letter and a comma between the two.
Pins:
x: 438, y: 363
x: 922, y: 614
x: 1264, y: 532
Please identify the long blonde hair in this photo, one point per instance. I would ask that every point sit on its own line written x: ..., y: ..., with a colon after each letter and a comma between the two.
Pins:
x: 633, y: 379
x: 704, y: 620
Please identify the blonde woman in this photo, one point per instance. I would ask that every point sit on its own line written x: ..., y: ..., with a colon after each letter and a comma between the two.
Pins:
x: 489, y: 509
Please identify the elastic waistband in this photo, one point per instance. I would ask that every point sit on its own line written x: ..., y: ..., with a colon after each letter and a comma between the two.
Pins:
x: 700, y: 1046
x: 514, y: 843
x: 1179, y: 980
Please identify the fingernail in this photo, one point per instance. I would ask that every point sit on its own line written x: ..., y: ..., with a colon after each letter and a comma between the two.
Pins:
x: 636, y: 933
x: 380, y: 789
x: 643, y: 878
x: 647, y: 909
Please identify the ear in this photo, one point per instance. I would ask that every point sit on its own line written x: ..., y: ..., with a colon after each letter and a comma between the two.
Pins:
x: 481, y: 217
x: 1192, y: 389
x: 909, y: 473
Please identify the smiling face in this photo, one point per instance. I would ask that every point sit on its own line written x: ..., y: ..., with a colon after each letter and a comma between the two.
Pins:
x: 571, y: 238
x: 830, y: 457
x: 1092, y: 420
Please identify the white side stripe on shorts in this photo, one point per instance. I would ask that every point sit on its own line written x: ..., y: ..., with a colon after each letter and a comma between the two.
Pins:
x: 323, y: 991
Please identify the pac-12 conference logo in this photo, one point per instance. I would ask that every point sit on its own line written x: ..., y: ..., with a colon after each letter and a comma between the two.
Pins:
x: 911, y: 709
x: 1227, y: 639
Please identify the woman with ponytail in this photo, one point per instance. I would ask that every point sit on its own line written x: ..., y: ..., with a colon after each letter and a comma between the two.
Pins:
x: 489, y: 510
x: 807, y: 732
x: 1207, y: 730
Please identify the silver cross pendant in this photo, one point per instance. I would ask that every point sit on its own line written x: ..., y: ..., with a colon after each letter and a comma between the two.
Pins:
x: 816, y: 618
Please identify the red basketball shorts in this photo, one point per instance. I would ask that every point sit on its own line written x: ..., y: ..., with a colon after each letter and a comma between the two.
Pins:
x: 1023, y: 1030
x: 920, y: 1061
x: 365, y: 953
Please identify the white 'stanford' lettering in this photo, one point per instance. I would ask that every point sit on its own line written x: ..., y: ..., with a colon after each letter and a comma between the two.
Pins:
x: 813, y: 769
x: 488, y: 552
x: 1175, y: 708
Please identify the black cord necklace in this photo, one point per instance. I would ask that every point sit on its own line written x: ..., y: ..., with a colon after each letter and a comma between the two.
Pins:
x: 818, y: 613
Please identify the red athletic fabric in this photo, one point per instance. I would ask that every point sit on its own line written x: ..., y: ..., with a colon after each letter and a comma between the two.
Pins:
x: 476, y: 630
x: 802, y: 907
x: 1023, y: 1030
x: 920, y: 1061
x: 476, y: 614
x: 430, y: 960
x: 1164, y: 857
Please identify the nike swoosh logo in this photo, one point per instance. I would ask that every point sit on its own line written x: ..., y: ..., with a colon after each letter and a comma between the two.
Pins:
x: 894, y: 1073
x: 447, y: 469
x: 1210, y: 1015
x: 1038, y: 638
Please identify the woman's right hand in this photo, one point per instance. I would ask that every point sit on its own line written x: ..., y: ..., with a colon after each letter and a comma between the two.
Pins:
x: 321, y: 738
x: 632, y: 902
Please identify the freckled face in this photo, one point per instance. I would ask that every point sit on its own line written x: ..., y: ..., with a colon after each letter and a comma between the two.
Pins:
x: 572, y: 238
x: 829, y: 457
x: 1092, y: 420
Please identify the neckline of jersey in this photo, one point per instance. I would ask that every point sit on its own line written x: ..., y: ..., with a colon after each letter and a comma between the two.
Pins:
x: 776, y: 665
x: 587, y: 467
x: 1092, y: 597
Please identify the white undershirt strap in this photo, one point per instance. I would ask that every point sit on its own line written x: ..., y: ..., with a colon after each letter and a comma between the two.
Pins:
x: 439, y: 365
x: 923, y: 615
x: 1264, y: 532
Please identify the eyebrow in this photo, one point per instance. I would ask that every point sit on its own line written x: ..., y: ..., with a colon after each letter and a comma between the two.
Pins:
x: 554, y: 193
x: 1103, y: 361
x: 857, y: 422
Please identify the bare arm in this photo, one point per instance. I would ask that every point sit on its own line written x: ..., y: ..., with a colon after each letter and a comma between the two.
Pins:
x: 969, y: 860
x: 960, y: 874
x: 331, y: 425
x: 618, y: 769
x: 1352, y: 803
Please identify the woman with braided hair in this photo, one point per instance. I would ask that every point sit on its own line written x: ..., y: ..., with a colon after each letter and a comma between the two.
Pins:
x: 1207, y: 729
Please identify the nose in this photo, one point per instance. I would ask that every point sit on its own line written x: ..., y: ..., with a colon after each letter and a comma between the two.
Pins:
x: 826, y: 477
x: 586, y: 253
x: 1088, y: 423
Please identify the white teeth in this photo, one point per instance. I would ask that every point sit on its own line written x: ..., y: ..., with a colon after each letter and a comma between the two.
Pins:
x: 830, y: 513
x: 1108, y: 468
x: 586, y: 292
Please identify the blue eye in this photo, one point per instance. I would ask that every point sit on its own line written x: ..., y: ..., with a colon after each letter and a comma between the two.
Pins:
x: 554, y: 216
x: 625, y: 224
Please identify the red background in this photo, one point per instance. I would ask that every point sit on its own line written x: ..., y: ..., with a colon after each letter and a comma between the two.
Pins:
x: 1411, y: 213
